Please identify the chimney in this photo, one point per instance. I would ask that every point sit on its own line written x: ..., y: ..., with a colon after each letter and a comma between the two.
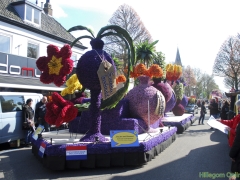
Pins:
x: 42, y: 5
x: 48, y: 8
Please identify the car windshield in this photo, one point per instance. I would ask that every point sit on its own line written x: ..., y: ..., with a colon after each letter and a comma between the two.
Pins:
x: 190, y: 105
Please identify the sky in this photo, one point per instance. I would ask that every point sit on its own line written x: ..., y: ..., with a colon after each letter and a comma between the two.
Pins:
x: 197, y: 27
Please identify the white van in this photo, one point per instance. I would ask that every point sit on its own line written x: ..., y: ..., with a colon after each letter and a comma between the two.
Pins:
x: 11, y: 114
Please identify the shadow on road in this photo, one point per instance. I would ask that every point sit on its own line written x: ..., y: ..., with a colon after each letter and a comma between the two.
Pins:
x: 211, y: 159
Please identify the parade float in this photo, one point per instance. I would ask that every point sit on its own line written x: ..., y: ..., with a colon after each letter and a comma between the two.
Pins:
x: 113, y: 127
x: 177, y: 102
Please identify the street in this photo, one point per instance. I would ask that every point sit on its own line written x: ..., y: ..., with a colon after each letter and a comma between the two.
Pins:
x: 196, y: 154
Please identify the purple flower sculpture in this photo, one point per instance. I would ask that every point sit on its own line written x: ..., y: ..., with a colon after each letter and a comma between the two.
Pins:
x: 171, y: 103
x: 87, y: 68
x: 165, y: 89
x: 138, y: 98
x: 184, y: 101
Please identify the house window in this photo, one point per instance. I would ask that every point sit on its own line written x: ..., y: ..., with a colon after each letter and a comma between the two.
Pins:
x: 32, y: 14
x: 4, y: 44
x: 75, y: 61
x: 29, y: 13
x: 32, y: 50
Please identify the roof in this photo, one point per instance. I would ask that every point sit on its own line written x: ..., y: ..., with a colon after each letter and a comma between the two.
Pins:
x: 49, y: 26
x: 232, y: 93
x: 27, y: 83
x: 178, y: 58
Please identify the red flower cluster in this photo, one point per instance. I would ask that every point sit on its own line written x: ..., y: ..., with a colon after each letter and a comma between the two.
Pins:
x: 56, y: 65
x: 60, y: 111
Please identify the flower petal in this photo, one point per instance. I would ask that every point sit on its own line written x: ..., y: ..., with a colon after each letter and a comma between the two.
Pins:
x: 46, y: 78
x: 66, y: 51
x: 42, y: 63
x: 52, y: 50
x: 67, y: 66
x: 59, y: 80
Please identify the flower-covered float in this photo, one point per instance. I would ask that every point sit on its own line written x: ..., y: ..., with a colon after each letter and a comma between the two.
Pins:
x: 178, y: 101
x: 108, y: 110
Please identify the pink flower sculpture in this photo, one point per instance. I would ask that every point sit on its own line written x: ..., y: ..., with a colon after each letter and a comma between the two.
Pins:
x: 60, y: 110
x: 56, y: 65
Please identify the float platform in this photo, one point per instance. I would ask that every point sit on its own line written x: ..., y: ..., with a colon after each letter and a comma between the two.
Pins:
x: 100, y: 154
x: 181, y: 122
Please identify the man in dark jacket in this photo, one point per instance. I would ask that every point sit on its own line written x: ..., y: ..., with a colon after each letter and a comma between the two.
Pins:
x: 40, y: 113
x: 213, y: 107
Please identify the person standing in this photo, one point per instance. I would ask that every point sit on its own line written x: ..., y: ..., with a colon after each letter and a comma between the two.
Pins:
x: 40, y: 113
x: 235, y: 149
x: 214, y: 109
x: 225, y: 110
x: 28, y: 120
x: 232, y: 124
x: 202, y: 113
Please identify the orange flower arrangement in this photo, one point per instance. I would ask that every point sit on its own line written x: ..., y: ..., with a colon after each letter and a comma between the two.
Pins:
x: 140, y: 69
x: 120, y: 78
x: 156, y: 71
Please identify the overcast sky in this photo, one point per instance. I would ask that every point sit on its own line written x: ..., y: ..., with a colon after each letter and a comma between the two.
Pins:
x: 196, y: 27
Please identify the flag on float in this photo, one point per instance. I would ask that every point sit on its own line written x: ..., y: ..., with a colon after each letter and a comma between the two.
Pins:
x: 42, y: 149
x: 76, y: 152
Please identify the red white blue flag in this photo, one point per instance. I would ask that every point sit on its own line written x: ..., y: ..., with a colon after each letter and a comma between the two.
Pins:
x: 42, y: 149
x: 76, y: 152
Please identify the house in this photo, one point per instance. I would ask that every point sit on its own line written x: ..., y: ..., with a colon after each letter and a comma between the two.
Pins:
x: 25, y: 32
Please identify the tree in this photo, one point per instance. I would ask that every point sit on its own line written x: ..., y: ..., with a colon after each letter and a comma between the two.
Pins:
x: 189, y: 79
x: 208, y: 84
x: 127, y: 18
x: 229, y: 82
x: 145, y: 52
x: 227, y: 62
x: 159, y: 58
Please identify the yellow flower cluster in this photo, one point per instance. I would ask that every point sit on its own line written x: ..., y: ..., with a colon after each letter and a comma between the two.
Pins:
x: 73, y: 84
x: 173, y: 72
x: 55, y: 65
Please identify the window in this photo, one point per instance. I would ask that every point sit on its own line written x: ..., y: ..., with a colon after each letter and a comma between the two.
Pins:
x: 11, y: 103
x: 32, y: 14
x: 32, y: 50
x: 36, y: 17
x: 75, y: 61
x: 29, y: 13
x: 4, y: 44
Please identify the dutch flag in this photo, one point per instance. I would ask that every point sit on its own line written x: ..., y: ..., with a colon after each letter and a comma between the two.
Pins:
x: 76, y: 152
x: 42, y: 149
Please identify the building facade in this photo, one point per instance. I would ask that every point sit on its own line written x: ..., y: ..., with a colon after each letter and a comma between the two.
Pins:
x: 25, y: 32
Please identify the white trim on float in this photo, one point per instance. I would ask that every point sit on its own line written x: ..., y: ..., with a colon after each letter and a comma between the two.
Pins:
x: 30, y: 87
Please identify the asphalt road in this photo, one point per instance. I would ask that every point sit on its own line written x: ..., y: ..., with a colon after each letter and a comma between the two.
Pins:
x: 195, y: 153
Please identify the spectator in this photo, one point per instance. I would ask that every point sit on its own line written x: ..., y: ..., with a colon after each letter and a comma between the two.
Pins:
x: 225, y: 110
x: 235, y: 150
x: 213, y: 107
x: 202, y: 112
x: 28, y: 120
x: 232, y: 124
x: 40, y: 113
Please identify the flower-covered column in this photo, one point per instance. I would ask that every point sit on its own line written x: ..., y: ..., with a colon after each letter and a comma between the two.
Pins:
x: 95, y: 130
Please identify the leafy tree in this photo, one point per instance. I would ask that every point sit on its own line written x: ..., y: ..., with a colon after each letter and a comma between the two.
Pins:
x: 227, y: 62
x: 127, y: 18
x: 145, y: 52
x: 189, y: 79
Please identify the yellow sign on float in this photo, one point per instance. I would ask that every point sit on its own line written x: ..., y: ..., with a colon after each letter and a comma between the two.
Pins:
x: 124, y: 138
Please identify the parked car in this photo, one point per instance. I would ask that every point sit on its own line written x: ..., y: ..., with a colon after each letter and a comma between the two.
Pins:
x: 191, y: 108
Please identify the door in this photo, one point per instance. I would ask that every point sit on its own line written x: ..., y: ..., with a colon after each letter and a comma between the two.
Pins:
x: 11, y: 117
